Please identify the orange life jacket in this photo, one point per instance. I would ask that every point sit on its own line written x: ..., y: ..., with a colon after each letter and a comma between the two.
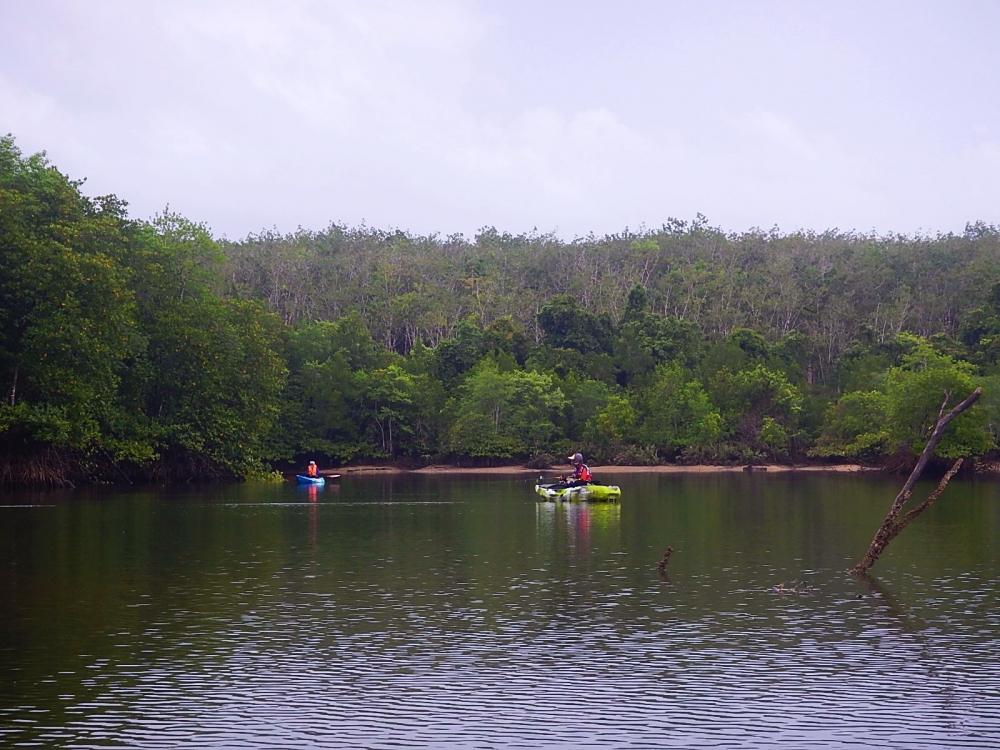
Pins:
x: 582, y: 472
x: 312, y: 471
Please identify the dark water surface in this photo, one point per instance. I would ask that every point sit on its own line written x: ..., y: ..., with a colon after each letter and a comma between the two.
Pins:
x: 457, y: 611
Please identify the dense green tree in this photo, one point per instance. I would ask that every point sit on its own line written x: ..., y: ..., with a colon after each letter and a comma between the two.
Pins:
x: 214, y: 385
x: 566, y: 325
x: 148, y: 348
x: 569, y: 362
x: 899, y: 417
x: 675, y: 413
x: 585, y: 397
x: 457, y: 355
x: 209, y: 380
x: 917, y: 389
x: 504, y: 414
x: 389, y: 396
x: 866, y: 361
x: 323, y: 412
x: 759, y: 406
x: 506, y: 335
x: 980, y: 331
x: 645, y: 340
x: 67, y: 314
x: 856, y: 426
x: 614, y: 424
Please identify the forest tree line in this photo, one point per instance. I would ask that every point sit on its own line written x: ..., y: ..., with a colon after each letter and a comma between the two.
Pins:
x: 149, y: 349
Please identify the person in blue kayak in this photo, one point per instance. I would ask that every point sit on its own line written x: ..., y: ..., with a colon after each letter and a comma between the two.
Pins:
x: 312, y: 470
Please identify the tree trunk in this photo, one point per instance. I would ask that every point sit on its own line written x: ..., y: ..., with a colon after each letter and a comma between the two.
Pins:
x: 895, y: 521
x: 13, y: 385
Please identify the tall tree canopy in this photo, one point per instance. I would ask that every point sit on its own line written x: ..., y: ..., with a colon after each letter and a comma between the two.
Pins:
x: 148, y: 348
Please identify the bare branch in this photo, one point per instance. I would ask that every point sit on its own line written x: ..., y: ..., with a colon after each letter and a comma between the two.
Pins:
x: 947, y: 397
x: 893, y: 523
x: 931, y: 498
x: 928, y: 451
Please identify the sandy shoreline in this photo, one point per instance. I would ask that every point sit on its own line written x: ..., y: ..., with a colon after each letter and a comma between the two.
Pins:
x: 605, y: 470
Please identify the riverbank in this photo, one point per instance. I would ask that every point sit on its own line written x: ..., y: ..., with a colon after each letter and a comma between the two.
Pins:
x: 606, y: 470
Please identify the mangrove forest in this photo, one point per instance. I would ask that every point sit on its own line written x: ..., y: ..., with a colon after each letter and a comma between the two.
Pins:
x: 135, y: 350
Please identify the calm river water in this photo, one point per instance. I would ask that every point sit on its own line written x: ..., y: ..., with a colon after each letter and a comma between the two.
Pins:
x: 456, y: 611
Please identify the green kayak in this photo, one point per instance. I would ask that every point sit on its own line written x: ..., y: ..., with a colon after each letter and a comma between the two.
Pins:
x: 594, y: 492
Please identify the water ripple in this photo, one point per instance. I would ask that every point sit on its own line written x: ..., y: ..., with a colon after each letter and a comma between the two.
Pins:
x: 378, y: 625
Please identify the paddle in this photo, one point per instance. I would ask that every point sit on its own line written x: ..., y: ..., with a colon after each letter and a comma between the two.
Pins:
x: 566, y: 478
x: 542, y: 483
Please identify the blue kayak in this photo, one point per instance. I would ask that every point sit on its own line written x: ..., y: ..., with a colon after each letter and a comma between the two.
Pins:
x: 303, y: 479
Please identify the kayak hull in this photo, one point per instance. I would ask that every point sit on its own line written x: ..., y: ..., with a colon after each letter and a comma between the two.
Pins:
x: 607, y: 493
x: 303, y: 479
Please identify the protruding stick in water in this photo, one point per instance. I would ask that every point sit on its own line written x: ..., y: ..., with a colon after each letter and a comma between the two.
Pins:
x: 662, y: 564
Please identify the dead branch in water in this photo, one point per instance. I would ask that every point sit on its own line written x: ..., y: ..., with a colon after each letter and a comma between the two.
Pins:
x: 895, y: 520
x: 662, y: 564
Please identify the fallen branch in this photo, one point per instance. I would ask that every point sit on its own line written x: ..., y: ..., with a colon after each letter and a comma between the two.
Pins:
x: 662, y: 564
x: 895, y: 520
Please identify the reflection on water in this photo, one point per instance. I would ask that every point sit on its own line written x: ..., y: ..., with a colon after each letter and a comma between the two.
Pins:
x: 573, y: 522
x: 458, y: 611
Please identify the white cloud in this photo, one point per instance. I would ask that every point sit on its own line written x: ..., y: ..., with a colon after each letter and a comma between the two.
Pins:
x: 778, y: 131
x: 18, y: 105
x: 444, y: 116
x: 988, y: 151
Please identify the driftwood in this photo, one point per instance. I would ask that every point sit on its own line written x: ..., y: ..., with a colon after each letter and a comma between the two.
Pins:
x: 896, y: 520
x: 662, y: 564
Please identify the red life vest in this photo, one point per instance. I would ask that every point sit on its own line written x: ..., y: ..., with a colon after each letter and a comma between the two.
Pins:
x: 582, y: 472
x: 312, y: 471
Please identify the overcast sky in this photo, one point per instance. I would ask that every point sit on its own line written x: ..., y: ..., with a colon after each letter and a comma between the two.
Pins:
x: 562, y: 116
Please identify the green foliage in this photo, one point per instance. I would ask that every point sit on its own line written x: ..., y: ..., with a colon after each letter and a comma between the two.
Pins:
x: 457, y: 355
x: 348, y: 337
x: 214, y: 383
x: 980, y: 333
x: 149, y: 348
x: 856, y: 427
x: 740, y: 350
x: 752, y: 398
x: 69, y: 321
x: 506, y: 336
x: 924, y: 383
x: 614, y: 423
x: 867, y: 424
x: 585, y: 398
x: 263, y: 475
x: 793, y: 355
x: 566, y: 325
x: 389, y: 396
x: 866, y: 361
x: 504, y: 414
x: 645, y: 341
x: 774, y: 436
x: 675, y: 413
x: 566, y: 363
x: 115, y: 341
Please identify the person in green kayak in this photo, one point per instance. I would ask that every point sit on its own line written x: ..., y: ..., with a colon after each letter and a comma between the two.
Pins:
x: 581, y: 472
